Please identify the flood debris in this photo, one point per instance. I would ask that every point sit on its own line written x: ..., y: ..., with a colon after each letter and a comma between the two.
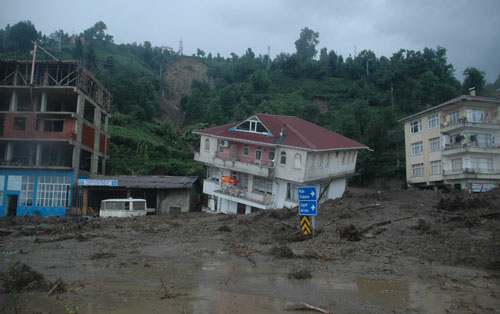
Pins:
x: 281, y: 252
x: 305, y: 307
x: 300, y: 274
x: 21, y: 277
x: 350, y: 232
x: 102, y: 255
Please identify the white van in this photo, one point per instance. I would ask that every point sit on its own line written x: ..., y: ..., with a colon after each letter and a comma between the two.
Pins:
x: 123, y: 207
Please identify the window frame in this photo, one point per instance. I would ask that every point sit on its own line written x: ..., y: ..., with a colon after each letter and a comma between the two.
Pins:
x: 435, y: 141
x: 416, y: 126
x: 417, y: 148
x: 417, y: 170
x: 436, y: 164
x: 433, y: 121
x: 297, y: 161
x: 207, y: 145
x: 282, y: 158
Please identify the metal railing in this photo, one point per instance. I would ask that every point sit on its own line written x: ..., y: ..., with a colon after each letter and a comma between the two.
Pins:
x: 471, y: 171
x: 463, y: 121
x: 245, y: 159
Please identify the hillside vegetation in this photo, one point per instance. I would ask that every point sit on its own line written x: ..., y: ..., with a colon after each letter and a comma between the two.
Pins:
x: 159, y: 97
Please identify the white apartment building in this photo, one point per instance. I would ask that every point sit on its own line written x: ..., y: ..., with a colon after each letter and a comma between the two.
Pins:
x: 267, y: 157
x: 455, y: 143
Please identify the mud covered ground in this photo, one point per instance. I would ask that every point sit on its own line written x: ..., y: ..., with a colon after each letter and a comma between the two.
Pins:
x: 374, y: 252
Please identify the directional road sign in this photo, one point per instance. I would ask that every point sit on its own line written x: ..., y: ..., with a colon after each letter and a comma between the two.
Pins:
x: 307, y: 193
x: 305, y: 225
x: 308, y: 208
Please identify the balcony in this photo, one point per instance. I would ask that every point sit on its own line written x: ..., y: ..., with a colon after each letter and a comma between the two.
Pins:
x: 471, y: 147
x: 462, y: 123
x: 238, y: 194
x: 471, y: 173
x: 235, y: 163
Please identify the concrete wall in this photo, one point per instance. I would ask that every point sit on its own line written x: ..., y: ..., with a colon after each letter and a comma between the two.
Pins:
x: 174, y: 198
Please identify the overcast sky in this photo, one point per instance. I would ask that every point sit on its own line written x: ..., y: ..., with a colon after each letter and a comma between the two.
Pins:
x: 469, y: 30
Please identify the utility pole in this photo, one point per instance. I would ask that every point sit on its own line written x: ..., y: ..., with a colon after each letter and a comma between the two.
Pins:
x: 367, y: 69
x: 33, y: 63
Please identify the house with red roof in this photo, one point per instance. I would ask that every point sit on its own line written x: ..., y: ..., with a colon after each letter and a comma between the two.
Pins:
x: 259, y: 163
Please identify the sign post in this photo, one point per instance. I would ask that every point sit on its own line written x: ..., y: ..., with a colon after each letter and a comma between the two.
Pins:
x: 308, y: 206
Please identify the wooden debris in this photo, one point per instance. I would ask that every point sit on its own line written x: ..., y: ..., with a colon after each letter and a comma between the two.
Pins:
x: 305, y: 307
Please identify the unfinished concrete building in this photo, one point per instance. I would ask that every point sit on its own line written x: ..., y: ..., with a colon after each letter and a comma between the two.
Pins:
x: 53, y: 131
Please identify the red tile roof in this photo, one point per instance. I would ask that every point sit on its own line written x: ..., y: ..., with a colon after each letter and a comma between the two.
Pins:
x: 299, y: 133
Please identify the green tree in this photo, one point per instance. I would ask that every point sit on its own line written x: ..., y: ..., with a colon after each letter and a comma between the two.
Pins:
x: 78, y: 49
x: 22, y: 34
x: 306, y: 44
x: 473, y: 78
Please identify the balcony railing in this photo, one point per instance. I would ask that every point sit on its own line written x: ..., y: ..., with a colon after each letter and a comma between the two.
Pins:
x: 237, y: 163
x: 244, y: 194
x: 490, y: 171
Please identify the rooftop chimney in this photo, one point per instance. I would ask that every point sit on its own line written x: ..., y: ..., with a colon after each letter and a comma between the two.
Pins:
x: 472, y: 91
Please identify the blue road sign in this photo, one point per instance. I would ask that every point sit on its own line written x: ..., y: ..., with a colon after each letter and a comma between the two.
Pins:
x: 308, y: 208
x: 307, y: 193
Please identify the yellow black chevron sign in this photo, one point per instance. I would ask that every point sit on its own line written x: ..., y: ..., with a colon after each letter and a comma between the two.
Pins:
x: 305, y: 224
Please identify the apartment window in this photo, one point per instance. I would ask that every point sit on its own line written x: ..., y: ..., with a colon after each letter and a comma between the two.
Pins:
x: 433, y: 121
x: 53, y: 125
x: 434, y: 144
x: 52, y: 190
x: 454, y: 116
x: 25, y: 185
x: 245, y: 150
x: 292, y: 192
x: 221, y: 146
x: 416, y: 148
x: 258, y: 153
x: 416, y: 126
x: 482, y: 164
x: 19, y: 123
x: 263, y: 185
x: 297, y: 160
x: 475, y: 115
x: 213, y: 173
x: 417, y: 170
x: 436, y: 167
x: 207, y: 145
x: 456, y: 164
x: 243, y: 182
x: 271, y: 154
x: 283, y: 158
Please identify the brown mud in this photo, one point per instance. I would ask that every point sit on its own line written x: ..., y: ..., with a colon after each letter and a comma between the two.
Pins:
x: 374, y: 251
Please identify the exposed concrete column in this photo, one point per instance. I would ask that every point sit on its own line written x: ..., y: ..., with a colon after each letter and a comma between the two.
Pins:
x: 43, y: 102
x: 8, y: 153
x: 38, y: 155
x: 78, y: 130
x: 13, y: 101
x: 97, y: 137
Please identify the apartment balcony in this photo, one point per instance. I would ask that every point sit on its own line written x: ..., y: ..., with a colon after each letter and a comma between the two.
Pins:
x: 238, y: 194
x: 463, y: 124
x: 234, y: 162
x: 471, y: 147
x: 471, y: 173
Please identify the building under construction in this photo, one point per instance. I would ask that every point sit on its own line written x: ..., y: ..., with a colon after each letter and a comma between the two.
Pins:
x: 53, y: 131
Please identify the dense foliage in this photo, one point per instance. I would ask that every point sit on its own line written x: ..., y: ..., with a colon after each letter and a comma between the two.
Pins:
x: 361, y: 96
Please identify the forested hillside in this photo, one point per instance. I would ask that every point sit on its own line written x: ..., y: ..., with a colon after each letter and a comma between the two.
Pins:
x: 360, y: 96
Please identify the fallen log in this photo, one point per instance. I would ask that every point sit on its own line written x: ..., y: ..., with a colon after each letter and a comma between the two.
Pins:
x: 305, y: 307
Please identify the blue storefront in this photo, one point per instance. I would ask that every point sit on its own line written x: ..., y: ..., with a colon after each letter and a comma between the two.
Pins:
x: 40, y: 192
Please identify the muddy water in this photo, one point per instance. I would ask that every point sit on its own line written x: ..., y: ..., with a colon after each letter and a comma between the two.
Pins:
x: 215, y: 286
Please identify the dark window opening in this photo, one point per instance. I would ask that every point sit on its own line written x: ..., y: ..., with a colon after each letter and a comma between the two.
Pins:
x: 57, y: 155
x: 19, y: 123
x: 3, y: 150
x: 85, y: 160
x: 4, y: 101
x: 100, y: 166
x: 23, y: 153
x: 88, y: 112
x: 244, y: 126
x: 53, y: 125
x: 25, y: 102
x: 61, y: 102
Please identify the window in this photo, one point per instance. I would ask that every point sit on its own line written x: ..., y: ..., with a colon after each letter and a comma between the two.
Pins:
x: 416, y: 126
x: 258, y: 153
x: 436, y: 167
x: 416, y: 148
x: 434, y: 144
x: 243, y: 182
x: 456, y: 164
x: 297, y: 160
x: 252, y: 125
x: 336, y: 154
x: 343, y: 157
x: 271, y: 154
x: 25, y: 185
x: 482, y: 164
x: 263, y: 185
x: 245, y: 150
x: 51, y: 190
x: 353, y: 156
x: 433, y: 121
x: 320, y: 161
x: 213, y: 173
x: 207, y: 145
x: 417, y: 170
x: 327, y: 160
x: 221, y: 146
x: 19, y: 124
x: 474, y: 115
x: 139, y: 205
x: 283, y: 158
x: 454, y: 116
x: 53, y: 125
x: 292, y: 192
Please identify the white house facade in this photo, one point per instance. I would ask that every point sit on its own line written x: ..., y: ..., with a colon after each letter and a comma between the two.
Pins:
x: 258, y: 163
